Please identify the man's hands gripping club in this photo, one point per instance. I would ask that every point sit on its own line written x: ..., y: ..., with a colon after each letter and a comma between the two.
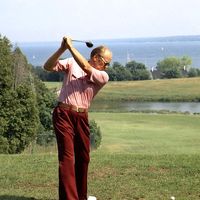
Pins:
x: 67, y: 44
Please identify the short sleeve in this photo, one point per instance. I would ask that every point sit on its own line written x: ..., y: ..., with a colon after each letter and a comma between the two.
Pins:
x: 99, y: 77
x: 62, y: 65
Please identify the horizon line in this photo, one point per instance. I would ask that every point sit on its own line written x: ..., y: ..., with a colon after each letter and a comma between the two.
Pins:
x: 119, y: 38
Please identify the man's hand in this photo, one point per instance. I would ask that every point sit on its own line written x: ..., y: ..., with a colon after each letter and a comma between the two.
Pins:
x: 66, y: 43
x: 51, y: 62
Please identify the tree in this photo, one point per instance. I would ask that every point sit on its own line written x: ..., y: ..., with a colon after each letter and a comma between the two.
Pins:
x: 193, y: 72
x: 6, y: 78
x: 170, y: 67
x: 5, y: 86
x: 19, y: 113
x: 21, y: 69
x: 122, y: 74
x: 138, y: 71
x: 48, y: 76
x: 18, y: 118
x: 112, y: 74
x: 185, y: 62
x: 173, y: 67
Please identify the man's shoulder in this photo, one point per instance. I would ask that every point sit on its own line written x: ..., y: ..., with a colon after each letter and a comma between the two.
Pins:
x: 98, y: 76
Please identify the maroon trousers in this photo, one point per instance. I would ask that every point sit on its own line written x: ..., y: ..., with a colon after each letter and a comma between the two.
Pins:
x: 72, y: 133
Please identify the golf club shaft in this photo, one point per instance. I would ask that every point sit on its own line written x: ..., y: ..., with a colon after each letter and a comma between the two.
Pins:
x: 79, y: 41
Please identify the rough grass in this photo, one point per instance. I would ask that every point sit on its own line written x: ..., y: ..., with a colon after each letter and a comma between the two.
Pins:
x: 111, y: 176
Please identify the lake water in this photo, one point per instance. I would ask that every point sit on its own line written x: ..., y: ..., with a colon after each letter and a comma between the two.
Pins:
x: 191, y: 107
x: 147, y: 50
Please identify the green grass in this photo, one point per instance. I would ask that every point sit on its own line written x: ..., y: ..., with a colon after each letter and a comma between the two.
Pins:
x: 53, y: 85
x: 111, y: 176
x: 183, y: 89
x: 27, y: 176
x: 142, y: 156
x: 149, y: 177
x: 149, y: 133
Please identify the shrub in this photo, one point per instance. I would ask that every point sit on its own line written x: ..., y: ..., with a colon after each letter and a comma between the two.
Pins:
x: 95, y: 135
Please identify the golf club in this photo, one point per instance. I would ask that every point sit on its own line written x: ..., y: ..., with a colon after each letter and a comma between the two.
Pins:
x: 88, y: 43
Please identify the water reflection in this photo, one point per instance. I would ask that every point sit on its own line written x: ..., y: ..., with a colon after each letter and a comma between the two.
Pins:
x: 192, y: 107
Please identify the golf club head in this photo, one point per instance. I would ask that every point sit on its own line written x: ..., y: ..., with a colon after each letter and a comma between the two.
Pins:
x: 89, y: 44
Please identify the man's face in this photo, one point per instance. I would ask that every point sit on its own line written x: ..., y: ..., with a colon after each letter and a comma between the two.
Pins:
x: 101, y: 61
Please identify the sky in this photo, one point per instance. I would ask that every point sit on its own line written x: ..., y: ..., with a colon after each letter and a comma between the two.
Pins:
x: 50, y: 20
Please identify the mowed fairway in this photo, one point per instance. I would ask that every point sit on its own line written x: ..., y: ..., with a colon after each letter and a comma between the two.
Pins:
x: 149, y: 133
x: 146, y: 156
x: 142, y: 157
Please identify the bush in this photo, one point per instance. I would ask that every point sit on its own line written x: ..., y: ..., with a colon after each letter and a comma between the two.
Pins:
x: 4, y: 145
x: 193, y: 72
x: 95, y: 135
x: 46, y: 138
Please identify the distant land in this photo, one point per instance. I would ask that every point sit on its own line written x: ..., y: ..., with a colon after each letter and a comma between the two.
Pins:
x: 165, y: 39
x: 142, y: 39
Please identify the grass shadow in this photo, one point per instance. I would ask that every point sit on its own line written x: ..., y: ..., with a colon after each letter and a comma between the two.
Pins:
x: 12, y: 197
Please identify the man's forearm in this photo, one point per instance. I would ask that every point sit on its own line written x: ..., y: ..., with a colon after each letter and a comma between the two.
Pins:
x: 82, y: 62
x: 50, y: 63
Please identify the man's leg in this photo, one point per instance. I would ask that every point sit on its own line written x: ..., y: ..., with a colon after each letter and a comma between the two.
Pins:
x: 65, y: 141
x: 82, y: 149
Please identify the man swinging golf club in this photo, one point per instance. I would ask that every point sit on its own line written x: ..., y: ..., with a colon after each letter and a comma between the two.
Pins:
x: 82, y: 81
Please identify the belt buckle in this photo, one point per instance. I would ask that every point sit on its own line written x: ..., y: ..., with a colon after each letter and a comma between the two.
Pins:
x: 77, y: 109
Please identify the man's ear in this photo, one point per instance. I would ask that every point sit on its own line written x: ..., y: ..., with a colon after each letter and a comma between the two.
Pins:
x: 95, y: 57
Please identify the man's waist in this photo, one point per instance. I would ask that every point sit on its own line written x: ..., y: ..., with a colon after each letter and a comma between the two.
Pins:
x: 72, y: 107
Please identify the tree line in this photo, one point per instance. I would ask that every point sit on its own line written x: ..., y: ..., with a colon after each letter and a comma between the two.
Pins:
x: 116, y: 72
x: 170, y: 67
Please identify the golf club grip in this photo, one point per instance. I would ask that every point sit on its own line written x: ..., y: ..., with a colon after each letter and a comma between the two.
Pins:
x: 76, y: 40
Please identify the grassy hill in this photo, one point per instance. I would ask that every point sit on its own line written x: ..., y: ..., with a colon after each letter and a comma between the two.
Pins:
x: 184, y: 89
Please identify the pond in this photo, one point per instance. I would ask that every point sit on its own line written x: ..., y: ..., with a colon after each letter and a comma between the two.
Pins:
x: 192, y: 107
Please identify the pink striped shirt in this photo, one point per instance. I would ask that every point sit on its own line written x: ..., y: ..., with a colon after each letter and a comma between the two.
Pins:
x: 78, y: 88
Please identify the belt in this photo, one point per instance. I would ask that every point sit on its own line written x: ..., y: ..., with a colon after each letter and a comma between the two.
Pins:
x: 72, y: 107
